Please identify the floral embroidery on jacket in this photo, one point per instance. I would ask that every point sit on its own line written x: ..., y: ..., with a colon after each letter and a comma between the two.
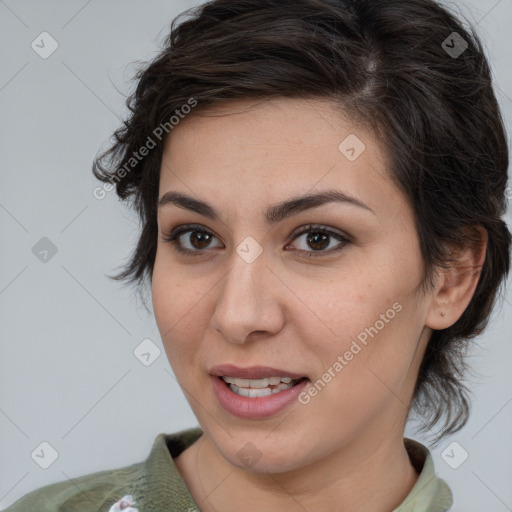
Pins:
x: 124, y: 504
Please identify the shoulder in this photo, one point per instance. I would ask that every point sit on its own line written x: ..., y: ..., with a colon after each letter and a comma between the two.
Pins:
x: 153, y: 484
x: 92, y: 492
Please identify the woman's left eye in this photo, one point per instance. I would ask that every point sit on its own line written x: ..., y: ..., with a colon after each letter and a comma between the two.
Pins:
x: 319, y: 239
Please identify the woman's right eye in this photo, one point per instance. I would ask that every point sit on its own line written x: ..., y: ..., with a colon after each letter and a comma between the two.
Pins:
x: 199, y: 240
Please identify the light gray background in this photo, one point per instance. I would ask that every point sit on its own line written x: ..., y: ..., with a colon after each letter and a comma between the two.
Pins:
x: 68, y: 375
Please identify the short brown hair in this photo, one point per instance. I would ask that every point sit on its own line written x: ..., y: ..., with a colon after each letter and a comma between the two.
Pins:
x: 386, y: 64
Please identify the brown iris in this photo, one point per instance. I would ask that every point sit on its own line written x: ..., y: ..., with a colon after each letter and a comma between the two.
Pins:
x: 318, y: 238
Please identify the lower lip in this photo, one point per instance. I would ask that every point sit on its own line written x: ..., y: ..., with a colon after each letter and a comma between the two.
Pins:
x: 255, y: 408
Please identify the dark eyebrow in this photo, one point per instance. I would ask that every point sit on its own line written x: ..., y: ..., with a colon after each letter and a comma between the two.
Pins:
x: 275, y: 213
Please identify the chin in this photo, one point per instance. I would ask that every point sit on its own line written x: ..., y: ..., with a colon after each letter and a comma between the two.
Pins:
x: 259, y: 452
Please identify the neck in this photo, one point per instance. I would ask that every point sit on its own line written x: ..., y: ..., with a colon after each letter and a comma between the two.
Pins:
x: 360, y: 476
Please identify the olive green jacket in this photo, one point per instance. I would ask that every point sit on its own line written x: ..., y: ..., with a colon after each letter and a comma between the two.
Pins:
x: 155, y: 485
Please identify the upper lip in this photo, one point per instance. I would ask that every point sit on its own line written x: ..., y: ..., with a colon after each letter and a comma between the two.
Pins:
x: 251, y: 372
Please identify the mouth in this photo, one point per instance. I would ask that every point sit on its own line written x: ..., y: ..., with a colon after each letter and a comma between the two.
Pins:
x: 255, y: 392
x: 257, y: 388
x: 256, y: 381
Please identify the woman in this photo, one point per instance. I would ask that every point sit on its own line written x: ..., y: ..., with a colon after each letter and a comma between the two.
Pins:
x: 320, y: 185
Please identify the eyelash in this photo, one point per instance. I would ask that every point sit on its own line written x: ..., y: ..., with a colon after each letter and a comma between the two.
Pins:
x: 173, y: 238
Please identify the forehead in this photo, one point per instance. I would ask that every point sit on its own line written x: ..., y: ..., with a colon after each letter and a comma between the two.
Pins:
x: 269, y: 150
x: 306, y: 130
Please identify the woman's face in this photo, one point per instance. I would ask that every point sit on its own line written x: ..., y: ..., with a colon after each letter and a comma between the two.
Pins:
x: 261, y: 294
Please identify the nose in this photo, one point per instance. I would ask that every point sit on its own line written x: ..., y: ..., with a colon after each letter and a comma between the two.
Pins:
x: 249, y: 302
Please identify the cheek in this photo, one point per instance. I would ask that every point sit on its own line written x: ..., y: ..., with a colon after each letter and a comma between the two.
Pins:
x: 165, y: 292
x: 370, y: 317
x: 173, y: 291
x: 176, y: 304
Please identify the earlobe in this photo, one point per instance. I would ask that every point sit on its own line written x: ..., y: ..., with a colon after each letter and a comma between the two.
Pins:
x: 456, y: 284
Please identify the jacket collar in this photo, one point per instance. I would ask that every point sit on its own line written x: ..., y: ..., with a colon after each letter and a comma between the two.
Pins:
x: 166, y: 488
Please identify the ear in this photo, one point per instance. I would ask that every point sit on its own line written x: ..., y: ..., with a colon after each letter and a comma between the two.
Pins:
x: 455, y: 285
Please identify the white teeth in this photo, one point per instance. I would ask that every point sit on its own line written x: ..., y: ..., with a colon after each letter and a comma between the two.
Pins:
x: 257, y: 383
x: 249, y: 392
x: 254, y: 388
x: 248, y: 383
